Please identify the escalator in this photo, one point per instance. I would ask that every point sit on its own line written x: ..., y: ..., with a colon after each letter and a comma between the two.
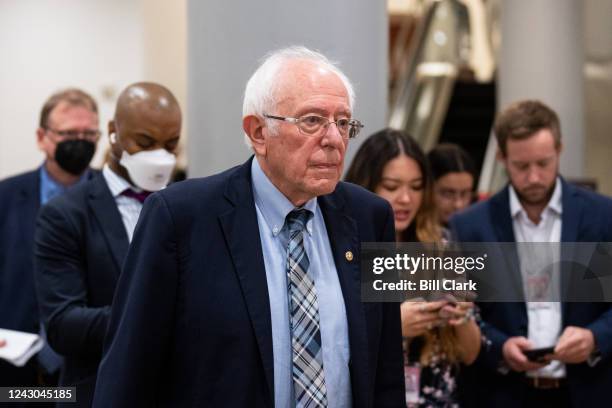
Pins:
x: 469, y: 118
x: 444, y: 89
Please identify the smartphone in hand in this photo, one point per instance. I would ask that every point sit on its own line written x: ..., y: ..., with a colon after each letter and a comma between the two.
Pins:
x: 537, y: 355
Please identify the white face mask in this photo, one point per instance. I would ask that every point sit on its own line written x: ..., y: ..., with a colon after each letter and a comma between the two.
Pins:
x: 150, y: 169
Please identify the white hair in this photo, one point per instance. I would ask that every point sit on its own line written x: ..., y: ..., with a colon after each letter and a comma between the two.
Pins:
x: 260, y: 91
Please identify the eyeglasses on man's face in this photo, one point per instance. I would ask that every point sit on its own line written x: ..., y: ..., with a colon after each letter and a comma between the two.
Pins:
x: 88, y: 134
x: 313, y: 124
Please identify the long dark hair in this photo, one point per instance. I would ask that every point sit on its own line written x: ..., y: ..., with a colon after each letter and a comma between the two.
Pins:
x: 450, y: 158
x: 367, y: 168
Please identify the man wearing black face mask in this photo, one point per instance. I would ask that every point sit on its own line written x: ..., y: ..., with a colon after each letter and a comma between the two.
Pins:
x: 82, y: 237
x: 67, y: 135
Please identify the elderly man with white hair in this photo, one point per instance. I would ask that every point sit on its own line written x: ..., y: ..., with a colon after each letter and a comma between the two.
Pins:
x: 243, y: 289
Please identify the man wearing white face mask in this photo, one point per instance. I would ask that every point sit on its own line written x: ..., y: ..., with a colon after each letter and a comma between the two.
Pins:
x: 82, y: 239
x: 143, y: 136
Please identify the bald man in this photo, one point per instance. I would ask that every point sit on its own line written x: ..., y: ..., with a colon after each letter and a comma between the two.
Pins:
x: 83, y: 236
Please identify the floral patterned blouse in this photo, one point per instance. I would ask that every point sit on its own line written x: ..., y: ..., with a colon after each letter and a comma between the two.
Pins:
x: 436, y: 382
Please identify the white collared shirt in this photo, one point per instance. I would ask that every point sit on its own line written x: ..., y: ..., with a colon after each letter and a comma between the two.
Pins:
x: 128, y: 207
x: 545, y: 320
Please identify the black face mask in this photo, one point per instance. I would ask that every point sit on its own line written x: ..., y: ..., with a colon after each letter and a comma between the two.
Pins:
x: 74, y: 155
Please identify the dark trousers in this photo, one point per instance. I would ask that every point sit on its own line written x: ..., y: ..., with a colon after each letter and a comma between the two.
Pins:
x: 547, y: 398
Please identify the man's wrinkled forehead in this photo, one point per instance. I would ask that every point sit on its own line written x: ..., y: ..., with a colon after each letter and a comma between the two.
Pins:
x: 65, y: 107
x: 300, y: 79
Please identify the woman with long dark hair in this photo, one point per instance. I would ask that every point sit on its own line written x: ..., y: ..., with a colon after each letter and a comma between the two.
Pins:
x: 454, y: 176
x: 438, y: 336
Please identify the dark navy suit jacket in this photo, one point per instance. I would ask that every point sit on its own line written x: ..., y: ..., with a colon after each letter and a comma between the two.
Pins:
x: 80, y: 245
x: 586, y: 217
x: 19, y: 203
x: 191, y: 323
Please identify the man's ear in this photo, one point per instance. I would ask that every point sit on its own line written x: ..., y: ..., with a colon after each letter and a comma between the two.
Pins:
x: 500, y: 156
x: 253, y: 127
x: 111, y: 129
x: 114, y: 147
x: 40, y: 137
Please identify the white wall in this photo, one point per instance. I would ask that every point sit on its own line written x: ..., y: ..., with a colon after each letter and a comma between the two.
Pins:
x: 48, y: 45
x: 165, y: 53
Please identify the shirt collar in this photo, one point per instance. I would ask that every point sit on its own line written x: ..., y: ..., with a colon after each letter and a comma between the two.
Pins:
x: 273, y: 204
x: 116, y: 183
x: 554, y: 204
x: 50, y: 188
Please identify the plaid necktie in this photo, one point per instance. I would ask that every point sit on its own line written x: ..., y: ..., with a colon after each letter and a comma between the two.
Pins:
x: 308, y: 375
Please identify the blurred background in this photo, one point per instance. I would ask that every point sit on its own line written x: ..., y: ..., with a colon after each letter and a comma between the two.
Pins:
x: 439, y: 69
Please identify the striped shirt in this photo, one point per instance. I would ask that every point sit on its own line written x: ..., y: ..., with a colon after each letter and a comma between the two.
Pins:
x: 128, y: 207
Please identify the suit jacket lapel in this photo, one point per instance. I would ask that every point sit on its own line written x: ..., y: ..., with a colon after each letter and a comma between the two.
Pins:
x: 242, y: 235
x: 570, y: 219
x: 501, y: 217
x: 504, y: 231
x: 343, y: 237
x: 105, y: 210
x: 30, y: 198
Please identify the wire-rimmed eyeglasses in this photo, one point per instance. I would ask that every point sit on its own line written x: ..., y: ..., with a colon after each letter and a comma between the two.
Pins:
x: 312, y: 124
x: 89, y: 134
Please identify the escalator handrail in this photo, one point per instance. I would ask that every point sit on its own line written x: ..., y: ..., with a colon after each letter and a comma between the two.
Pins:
x: 407, y: 77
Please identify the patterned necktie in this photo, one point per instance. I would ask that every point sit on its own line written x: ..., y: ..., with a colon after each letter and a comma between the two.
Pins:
x: 308, y: 375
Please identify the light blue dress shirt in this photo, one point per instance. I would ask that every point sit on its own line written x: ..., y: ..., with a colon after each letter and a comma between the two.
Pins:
x: 50, y: 188
x: 272, y: 208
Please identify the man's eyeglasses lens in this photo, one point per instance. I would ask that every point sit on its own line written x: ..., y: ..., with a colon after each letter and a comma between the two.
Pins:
x: 74, y: 134
x: 312, y: 124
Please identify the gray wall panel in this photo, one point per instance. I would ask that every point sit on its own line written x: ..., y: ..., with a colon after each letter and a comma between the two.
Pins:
x: 226, y: 40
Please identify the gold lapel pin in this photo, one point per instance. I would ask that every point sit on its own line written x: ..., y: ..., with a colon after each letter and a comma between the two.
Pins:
x: 349, y: 256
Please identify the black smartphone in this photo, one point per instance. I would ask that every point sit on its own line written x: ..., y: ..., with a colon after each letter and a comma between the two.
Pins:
x: 537, y: 355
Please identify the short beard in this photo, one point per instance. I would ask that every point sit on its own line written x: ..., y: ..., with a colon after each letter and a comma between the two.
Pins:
x: 523, y: 198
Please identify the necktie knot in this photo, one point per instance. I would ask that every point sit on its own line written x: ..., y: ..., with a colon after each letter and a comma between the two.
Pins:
x: 296, y: 220
x: 141, y: 197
